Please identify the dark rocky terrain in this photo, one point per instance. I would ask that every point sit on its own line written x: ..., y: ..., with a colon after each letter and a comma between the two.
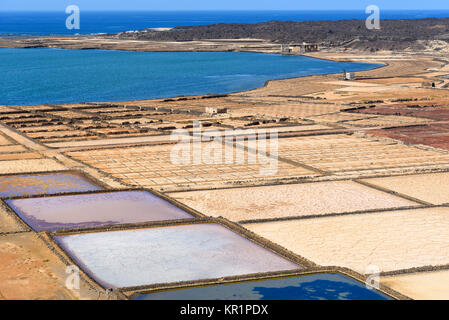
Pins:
x: 393, y: 35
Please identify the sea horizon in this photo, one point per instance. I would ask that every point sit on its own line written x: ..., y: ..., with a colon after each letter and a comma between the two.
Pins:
x: 114, y: 21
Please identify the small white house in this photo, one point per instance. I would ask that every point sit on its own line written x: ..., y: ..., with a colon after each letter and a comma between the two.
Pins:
x: 213, y: 110
x: 349, y: 76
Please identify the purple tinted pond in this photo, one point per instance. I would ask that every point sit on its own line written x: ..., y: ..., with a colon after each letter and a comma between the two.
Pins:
x: 93, y: 210
x: 36, y: 184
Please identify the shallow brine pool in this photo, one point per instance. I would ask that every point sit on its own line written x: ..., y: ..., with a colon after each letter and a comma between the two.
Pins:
x: 36, y: 184
x: 93, y: 210
x: 168, y: 254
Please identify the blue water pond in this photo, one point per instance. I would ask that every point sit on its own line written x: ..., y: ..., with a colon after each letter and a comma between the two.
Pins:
x: 323, y: 286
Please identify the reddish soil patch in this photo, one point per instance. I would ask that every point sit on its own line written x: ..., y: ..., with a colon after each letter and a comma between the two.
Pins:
x: 434, y: 135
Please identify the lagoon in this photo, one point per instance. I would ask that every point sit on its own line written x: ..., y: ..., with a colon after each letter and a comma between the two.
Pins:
x: 52, y: 76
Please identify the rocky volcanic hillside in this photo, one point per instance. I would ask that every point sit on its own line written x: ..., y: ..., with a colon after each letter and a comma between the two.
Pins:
x: 393, y: 35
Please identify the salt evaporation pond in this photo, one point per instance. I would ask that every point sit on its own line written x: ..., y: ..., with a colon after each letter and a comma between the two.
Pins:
x: 93, y: 210
x: 322, y: 286
x: 168, y: 254
x: 37, y: 184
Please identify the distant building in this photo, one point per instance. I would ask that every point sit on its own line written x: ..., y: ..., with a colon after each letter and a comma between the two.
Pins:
x: 349, y: 75
x: 298, y: 48
x: 428, y: 84
x: 212, y: 110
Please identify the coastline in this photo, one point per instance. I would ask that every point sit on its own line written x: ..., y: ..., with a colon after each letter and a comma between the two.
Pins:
x: 266, y: 83
x: 385, y: 61
x: 146, y: 41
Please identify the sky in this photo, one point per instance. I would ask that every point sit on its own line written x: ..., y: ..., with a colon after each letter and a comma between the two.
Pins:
x: 102, y: 5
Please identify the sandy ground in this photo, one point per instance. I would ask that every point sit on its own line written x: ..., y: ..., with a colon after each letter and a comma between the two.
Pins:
x: 29, y: 270
x: 8, y: 223
x: 390, y: 240
x: 289, y: 200
x: 433, y: 188
x: 421, y: 286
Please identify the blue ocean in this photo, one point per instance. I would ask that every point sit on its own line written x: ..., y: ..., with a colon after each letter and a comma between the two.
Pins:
x: 39, y: 76
x: 44, y: 23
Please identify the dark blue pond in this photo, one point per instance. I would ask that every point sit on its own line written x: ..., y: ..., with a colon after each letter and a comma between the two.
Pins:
x: 324, y: 286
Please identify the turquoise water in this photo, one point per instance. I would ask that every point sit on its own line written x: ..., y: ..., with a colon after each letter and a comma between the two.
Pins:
x: 325, y: 286
x: 51, y: 76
